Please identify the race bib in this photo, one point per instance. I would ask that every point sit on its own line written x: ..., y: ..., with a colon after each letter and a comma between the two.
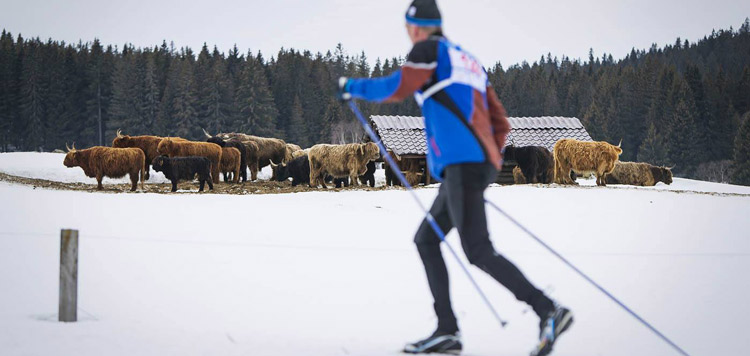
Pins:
x: 467, y: 70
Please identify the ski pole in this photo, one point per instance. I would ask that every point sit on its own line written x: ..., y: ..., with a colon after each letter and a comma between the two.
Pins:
x: 430, y: 219
x: 588, y: 279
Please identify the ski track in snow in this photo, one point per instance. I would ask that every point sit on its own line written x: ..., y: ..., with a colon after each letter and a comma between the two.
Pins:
x: 336, y: 273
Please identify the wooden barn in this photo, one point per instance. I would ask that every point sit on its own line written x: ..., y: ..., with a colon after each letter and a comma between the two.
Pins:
x: 404, y: 138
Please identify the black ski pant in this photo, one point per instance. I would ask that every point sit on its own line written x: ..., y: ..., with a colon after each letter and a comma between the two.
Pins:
x: 460, y: 204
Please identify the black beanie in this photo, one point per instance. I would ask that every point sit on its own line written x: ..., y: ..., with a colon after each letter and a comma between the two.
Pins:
x: 423, y: 13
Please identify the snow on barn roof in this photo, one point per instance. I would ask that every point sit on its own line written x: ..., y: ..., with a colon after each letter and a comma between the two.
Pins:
x: 405, y: 135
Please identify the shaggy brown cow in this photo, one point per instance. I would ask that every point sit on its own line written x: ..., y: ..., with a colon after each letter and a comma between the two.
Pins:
x: 580, y: 156
x: 176, y: 148
x: 147, y: 144
x: 269, y: 149
x: 99, y: 162
x: 230, y: 163
x: 340, y: 161
x: 636, y: 173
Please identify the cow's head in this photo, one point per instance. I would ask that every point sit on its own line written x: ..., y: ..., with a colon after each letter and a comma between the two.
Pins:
x: 289, y: 156
x: 121, y: 140
x: 71, y: 158
x: 165, y: 146
x: 518, y: 177
x: 282, y: 171
x: 611, y: 154
x: 370, y: 151
x: 662, y: 174
x: 159, y: 162
x: 217, y: 141
x: 618, y: 148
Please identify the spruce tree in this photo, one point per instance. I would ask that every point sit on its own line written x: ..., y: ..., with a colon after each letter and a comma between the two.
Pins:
x: 62, y: 93
x: 203, y: 87
x: 682, y: 132
x: 742, y: 92
x: 741, y: 169
x: 124, y: 107
x: 257, y: 110
x: 149, y: 93
x: 592, y: 121
x: 297, y: 125
x: 652, y: 149
x: 98, y: 73
x: 184, y: 102
x: 8, y: 88
x: 32, y: 97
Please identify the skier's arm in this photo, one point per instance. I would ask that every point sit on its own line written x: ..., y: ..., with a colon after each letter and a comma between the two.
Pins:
x: 395, y: 87
x: 498, y: 118
x: 418, y: 69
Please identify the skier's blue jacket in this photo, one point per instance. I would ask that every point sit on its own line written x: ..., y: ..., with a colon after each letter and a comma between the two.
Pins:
x: 465, y: 121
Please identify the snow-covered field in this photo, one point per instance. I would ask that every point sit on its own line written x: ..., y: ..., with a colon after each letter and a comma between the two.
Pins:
x: 336, y: 273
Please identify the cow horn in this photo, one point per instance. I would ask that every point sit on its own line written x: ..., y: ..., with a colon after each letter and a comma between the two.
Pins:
x: 66, y: 146
x: 119, y: 133
x: 74, y: 146
x: 206, y: 132
x: 620, y: 144
x: 274, y: 165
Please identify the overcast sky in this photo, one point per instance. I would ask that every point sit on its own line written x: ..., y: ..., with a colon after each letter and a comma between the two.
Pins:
x: 493, y: 30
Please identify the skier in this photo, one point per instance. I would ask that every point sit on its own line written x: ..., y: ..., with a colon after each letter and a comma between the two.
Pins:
x: 466, y: 127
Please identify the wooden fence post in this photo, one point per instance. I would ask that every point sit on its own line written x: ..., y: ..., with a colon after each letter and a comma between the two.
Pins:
x: 68, y: 310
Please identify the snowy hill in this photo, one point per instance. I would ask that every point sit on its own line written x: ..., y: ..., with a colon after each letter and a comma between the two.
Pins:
x: 336, y: 273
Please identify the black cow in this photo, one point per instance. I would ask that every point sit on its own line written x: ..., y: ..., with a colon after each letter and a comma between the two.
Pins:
x: 369, y: 176
x: 298, y: 169
x: 238, y: 145
x: 184, y: 168
x: 536, y: 162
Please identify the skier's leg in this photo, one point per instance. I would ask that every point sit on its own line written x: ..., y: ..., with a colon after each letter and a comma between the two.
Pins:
x: 465, y: 193
x: 428, y: 244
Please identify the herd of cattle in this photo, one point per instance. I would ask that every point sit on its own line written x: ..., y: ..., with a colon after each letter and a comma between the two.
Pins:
x: 536, y: 164
x: 232, y: 154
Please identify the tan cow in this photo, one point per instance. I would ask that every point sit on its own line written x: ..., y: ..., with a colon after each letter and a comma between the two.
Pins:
x: 340, y: 161
x: 637, y: 173
x: 582, y: 157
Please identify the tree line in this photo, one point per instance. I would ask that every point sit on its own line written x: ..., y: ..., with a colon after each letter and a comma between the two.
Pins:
x: 681, y: 105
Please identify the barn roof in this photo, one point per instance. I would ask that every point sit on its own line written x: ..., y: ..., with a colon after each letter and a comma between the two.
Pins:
x: 545, y: 131
x: 405, y: 135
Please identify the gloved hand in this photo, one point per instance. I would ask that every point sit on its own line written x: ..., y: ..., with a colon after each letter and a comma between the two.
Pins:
x: 343, y: 92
